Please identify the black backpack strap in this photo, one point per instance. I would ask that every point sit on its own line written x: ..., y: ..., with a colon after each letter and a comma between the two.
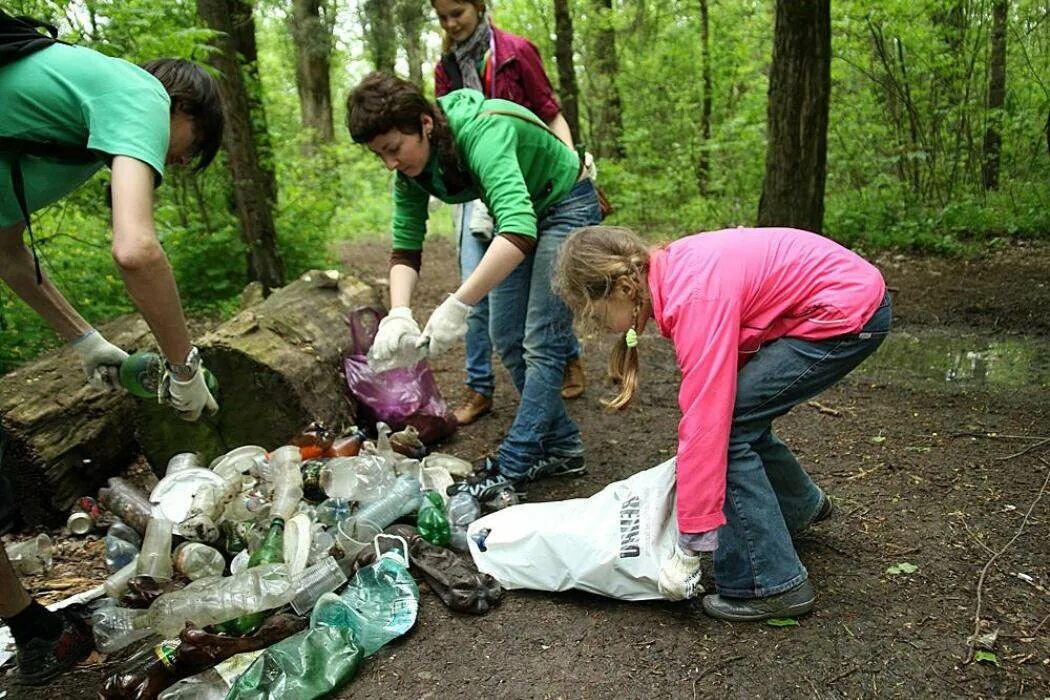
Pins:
x: 18, y: 182
x: 20, y: 36
x: 451, y: 66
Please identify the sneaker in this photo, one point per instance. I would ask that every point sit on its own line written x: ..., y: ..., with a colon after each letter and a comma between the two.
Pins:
x: 573, y: 381
x: 485, y: 482
x: 827, y: 509
x: 791, y: 603
x: 557, y: 466
x: 40, y: 660
x: 474, y: 406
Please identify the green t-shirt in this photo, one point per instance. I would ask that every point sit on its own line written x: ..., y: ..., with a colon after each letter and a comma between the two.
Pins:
x: 518, y: 167
x: 76, y: 96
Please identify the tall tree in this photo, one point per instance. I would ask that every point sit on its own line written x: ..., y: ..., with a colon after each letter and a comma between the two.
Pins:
x: 380, y: 33
x: 797, y: 116
x: 563, y: 51
x: 703, y: 163
x: 411, y: 18
x: 608, y: 126
x: 311, y: 24
x: 996, y: 97
x: 246, y: 138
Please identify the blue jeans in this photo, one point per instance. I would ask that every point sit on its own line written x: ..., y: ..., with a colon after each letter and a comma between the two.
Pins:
x: 769, y: 496
x: 480, y: 377
x: 532, y: 330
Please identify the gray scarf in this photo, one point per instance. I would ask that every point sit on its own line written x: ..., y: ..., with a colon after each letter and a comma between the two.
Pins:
x: 469, y: 53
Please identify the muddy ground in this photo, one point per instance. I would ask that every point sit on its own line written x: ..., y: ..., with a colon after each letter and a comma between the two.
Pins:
x: 940, y: 475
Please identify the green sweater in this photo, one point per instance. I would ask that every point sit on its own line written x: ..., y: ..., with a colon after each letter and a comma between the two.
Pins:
x: 519, y: 169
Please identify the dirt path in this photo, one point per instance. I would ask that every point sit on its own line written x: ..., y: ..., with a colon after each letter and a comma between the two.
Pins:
x: 913, y: 481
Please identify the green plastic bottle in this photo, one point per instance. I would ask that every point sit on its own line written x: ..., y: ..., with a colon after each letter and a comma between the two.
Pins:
x: 141, y: 373
x: 431, y: 521
x: 270, y: 551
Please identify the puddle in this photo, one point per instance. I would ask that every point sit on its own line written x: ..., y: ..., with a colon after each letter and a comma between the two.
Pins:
x: 967, y: 360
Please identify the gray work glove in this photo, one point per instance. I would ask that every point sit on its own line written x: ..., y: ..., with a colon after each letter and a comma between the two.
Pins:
x: 100, y: 359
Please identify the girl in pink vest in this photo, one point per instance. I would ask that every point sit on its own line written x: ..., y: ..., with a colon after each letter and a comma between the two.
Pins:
x: 761, y: 320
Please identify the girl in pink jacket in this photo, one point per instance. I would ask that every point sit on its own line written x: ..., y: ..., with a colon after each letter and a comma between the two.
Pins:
x: 761, y: 320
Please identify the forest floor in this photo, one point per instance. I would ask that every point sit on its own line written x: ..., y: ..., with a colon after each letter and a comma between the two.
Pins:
x: 935, y: 450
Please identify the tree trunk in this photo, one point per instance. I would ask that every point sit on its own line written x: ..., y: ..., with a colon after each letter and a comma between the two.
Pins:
x: 411, y: 19
x: 608, y: 129
x: 246, y: 138
x: 703, y: 164
x: 799, y: 86
x: 312, y: 35
x: 278, y: 364
x: 63, y: 439
x: 380, y: 36
x: 563, y: 50
x: 996, y: 98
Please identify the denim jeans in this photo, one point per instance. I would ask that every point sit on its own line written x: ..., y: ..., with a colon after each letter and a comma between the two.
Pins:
x: 480, y: 377
x: 532, y: 330
x: 769, y: 496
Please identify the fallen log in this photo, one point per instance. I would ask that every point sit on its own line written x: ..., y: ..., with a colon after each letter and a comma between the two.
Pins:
x: 278, y: 364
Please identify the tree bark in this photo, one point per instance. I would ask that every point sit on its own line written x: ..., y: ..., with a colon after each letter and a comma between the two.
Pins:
x: 380, y: 35
x: 63, y: 439
x: 996, y: 98
x: 799, y: 88
x: 563, y: 50
x: 312, y: 34
x: 278, y: 364
x: 703, y: 164
x: 246, y: 137
x: 608, y: 129
x: 411, y: 20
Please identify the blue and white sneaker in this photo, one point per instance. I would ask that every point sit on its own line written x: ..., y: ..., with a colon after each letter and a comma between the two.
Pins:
x: 485, y: 483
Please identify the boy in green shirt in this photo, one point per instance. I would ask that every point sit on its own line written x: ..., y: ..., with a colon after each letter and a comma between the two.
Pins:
x: 136, y: 121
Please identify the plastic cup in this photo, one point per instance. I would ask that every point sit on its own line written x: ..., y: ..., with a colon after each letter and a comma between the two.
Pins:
x: 323, y: 577
x: 184, y: 460
x: 355, y: 534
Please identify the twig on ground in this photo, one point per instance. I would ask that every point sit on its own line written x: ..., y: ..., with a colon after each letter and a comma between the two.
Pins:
x: 713, y: 667
x: 1039, y: 626
x: 826, y: 410
x: 998, y: 436
x: 1036, y: 446
x: 980, y: 581
x: 842, y: 675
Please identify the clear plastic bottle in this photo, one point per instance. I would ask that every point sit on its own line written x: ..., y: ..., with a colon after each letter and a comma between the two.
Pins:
x: 196, y: 560
x: 462, y: 510
x: 113, y: 628
x: 379, y: 604
x: 331, y: 511
x: 117, y: 583
x: 155, y: 555
x: 126, y: 501
x: 363, y: 478
x: 119, y: 552
x: 404, y: 498
x: 32, y: 556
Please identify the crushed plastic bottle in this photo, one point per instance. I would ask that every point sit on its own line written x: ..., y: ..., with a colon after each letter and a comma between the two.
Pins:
x: 113, y: 628
x: 119, y: 552
x: 405, y: 497
x: 32, y: 556
x: 331, y: 511
x: 196, y: 560
x: 364, y: 478
x: 462, y: 509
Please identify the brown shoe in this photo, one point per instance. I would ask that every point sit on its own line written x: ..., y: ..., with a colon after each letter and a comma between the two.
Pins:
x: 574, y: 382
x: 474, y: 406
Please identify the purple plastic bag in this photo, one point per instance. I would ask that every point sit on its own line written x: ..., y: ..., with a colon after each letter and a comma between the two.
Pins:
x: 398, y: 397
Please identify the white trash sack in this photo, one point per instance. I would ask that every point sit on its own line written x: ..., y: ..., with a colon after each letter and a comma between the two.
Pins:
x: 612, y: 543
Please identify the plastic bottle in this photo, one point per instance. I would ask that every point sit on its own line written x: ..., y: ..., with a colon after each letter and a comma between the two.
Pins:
x: 404, y: 498
x: 32, y: 556
x: 332, y: 510
x: 155, y: 555
x: 125, y: 532
x: 212, y: 684
x: 126, y: 501
x: 119, y: 552
x: 117, y: 583
x: 311, y: 469
x: 271, y: 551
x: 363, y: 478
x: 462, y: 509
x: 141, y: 373
x: 379, y: 604
x: 347, y: 445
x: 196, y: 560
x: 431, y: 521
x: 113, y: 628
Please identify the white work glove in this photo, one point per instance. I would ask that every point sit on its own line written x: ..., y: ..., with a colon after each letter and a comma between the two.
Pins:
x: 395, y: 340
x: 190, y: 397
x: 680, y: 575
x: 100, y: 359
x: 447, y: 325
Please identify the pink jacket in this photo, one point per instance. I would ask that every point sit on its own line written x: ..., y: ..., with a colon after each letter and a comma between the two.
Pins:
x: 519, y: 76
x: 719, y: 297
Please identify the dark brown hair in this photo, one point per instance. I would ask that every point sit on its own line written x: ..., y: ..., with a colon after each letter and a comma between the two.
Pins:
x: 193, y: 92
x: 382, y: 102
